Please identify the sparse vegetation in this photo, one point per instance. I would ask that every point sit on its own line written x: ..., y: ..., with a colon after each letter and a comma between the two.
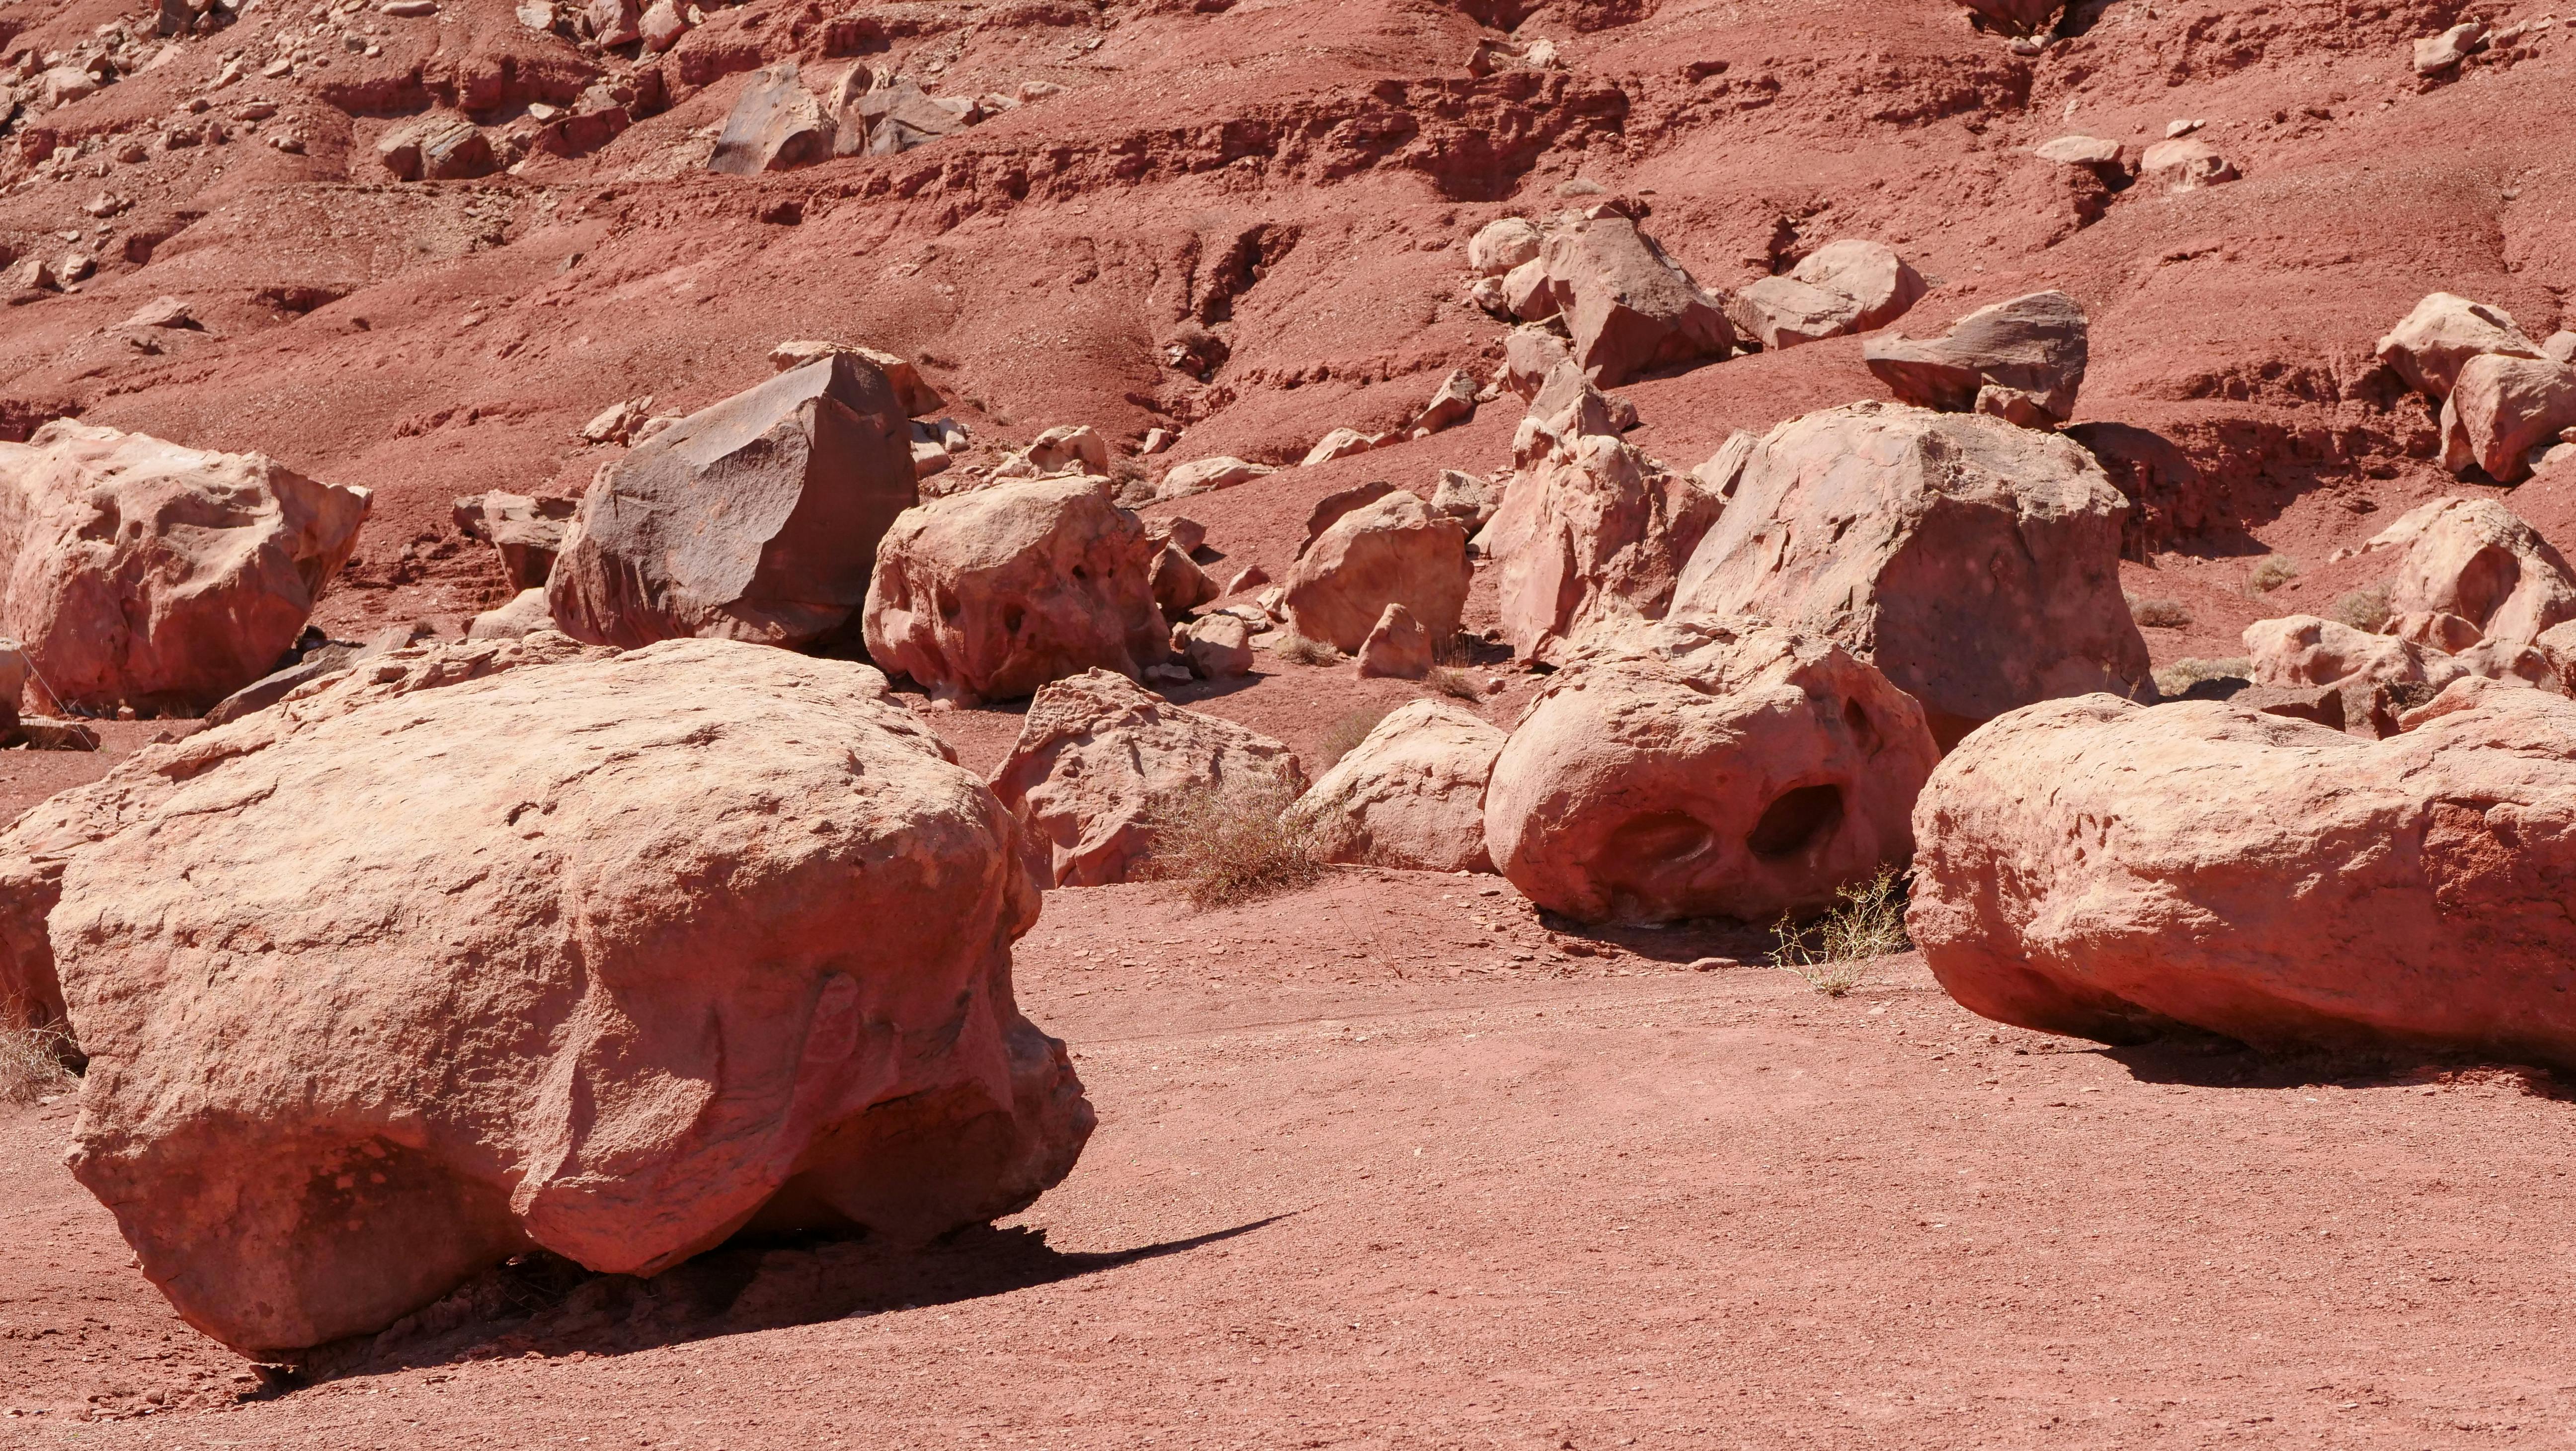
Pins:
x: 1239, y: 843
x: 1833, y: 952
x: 1450, y: 681
x: 2162, y: 614
x: 1346, y: 733
x: 1298, y: 650
x: 2363, y: 609
x: 2274, y: 572
x: 31, y: 1061
x: 2189, y: 671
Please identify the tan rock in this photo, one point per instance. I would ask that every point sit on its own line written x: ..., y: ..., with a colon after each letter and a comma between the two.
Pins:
x: 1397, y: 648
x: 1412, y: 793
x: 991, y: 594
x: 2437, y: 53
x: 1200, y: 475
x: 1464, y: 497
x: 1337, y: 503
x: 526, y: 532
x: 1102, y: 763
x: 1503, y: 244
x: 1592, y: 536
x: 1783, y: 312
x: 1628, y: 307
x: 145, y: 573
x: 1393, y: 551
x: 756, y: 518
x: 1218, y: 647
x: 661, y: 27
x: 2086, y: 151
x: 1692, y: 769
x: 1339, y: 444
x: 525, y: 614
x: 912, y: 393
x: 1527, y: 294
x: 1975, y: 563
x: 775, y: 125
x: 1452, y: 403
x: 607, y: 1020
x: 1530, y: 354
x: 2307, y: 650
x: 1880, y: 284
x: 2505, y: 407
x: 2035, y: 345
x: 2096, y: 868
x: 1179, y: 584
x: 2430, y: 345
x: 2185, y: 164
x: 1063, y: 449
x: 2474, y: 559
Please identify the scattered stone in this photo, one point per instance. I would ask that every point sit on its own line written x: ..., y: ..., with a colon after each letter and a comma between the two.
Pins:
x: 408, y: 9
x: 613, y: 22
x: 1179, y: 584
x: 2503, y: 408
x: 2031, y: 349
x: 618, y: 422
x: 149, y: 574
x: 526, y: 532
x: 2435, y: 54
x: 2095, y: 868
x: 1102, y: 763
x: 2561, y: 347
x: 991, y: 594
x: 1528, y: 295
x: 163, y: 312
x: 1452, y: 403
x: 2430, y: 345
x: 1066, y: 448
x: 899, y: 116
x: 519, y: 949
x: 1627, y: 306
x: 1249, y: 577
x: 915, y: 396
x: 2474, y: 560
x: 1503, y: 244
x: 1694, y: 769
x: 755, y: 518
x: 1392, y: 551
x: 1592, y: 535
x: 525, y: 614
x: 2093, y: 152
x: 439, y: 148
x: 1218, y: 647
x: 1397, y: 647
x: 1200, y: 475
x: 1842, y: 287
x: 1468, y: 499
x: 1411, y: 795
x: 775, y: 124
x: 1337, y: 503
x: 1155, y: 441
x: 1338, y: 444
x: 2305, y: 650
x: 661, y: 27
x: 1975, y: 563
x: 2186, y: 164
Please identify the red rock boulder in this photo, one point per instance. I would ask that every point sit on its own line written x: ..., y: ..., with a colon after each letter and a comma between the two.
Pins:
x: 756, y: 518
x: 1698, y: 770
x: 594, y: 1015
x: 2022, y: 359
x: 2098, y: 868
x: 1627, y: 306
x: 775, y: 125
x: 146, y: 573
x: 2430, y: 345
x: 1411, y: 794
x: 1975, y: 562
x: 2476, y: 561
x: 1390, y: 551
x: 989, y: 595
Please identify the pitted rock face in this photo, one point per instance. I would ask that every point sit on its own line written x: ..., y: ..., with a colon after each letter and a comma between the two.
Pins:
x: 549, y: 1001
x: 1698, y: 770
x: 1975, y: 562
x: 2097, y: 868
x: 166, y: 577
x: 989, y: 595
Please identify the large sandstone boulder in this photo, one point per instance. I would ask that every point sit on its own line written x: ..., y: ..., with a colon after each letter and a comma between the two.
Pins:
x: 2308, y: 650
x: 2430, y: 345
x: 1591, y: 535
x: 1391, y: 551
x: 1975, y: 562
x: 1706, y: 770
x: 754, y: 519
x: 1627, y: 306
x: 1103, y: 763
x: 2475, y: 561
x: 146, y: 573
x: 2095, y: 868
x: 1411, y: 794
x: 2021, y: 359
x: 593, y: 1015
x: 2504, y: 408
x: 775, y: 125
x: 989, y: 595
x: 1847, y: 286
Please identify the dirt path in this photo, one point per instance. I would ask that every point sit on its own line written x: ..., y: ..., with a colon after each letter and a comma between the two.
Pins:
x: 1589, y: 1201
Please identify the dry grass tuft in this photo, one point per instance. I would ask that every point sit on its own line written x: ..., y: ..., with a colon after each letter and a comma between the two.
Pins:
x: 2159, y: 613
x: 2190, y: 670
x: 1239, y: 843
x: 2274, y: 572
x: 1298, y: 650
x: 31, y: 1062
x: 1346, y: 734
x: 1455, y: 683
x: 2365, y: 610
x: 1833, y: 952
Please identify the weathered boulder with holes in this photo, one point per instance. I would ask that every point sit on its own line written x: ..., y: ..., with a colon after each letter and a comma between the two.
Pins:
x: 754, y: 519
x: 1411, y: 794
x: 2503, y: 411
x: 595, y: 1016
x: 1975, y: 562
x: 775, y: 125
x: 2430, y: 345
x: 1102, y: 765
x: 2094, y: 868
x: 2308, y: 650
x: 1848, y: 286
x: 146, y: 573
x: 1694, y: 769
x: 1391, y: 551
x: 2475, y: 561
x: 1627, y: 306
x: 2021, y: 359
x: 991, y: 594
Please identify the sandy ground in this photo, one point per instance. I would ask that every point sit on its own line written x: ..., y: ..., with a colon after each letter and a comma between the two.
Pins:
x: 1385, y: 1165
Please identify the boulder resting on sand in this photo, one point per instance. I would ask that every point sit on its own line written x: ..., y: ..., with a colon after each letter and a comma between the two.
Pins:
x: 592, y: 1015
x: 1102, y: 763
x: 1975, y: 562
x: 1691, y: 769
x: 1411, y: 794
x: 1628, y: 306
x: 989, y: 595
x: 2096, y: 868
x: 147, y: 573
x: 2430, y: 345
x: 1392, y: 550
x: 756, y: 518
x: 2021, y: 359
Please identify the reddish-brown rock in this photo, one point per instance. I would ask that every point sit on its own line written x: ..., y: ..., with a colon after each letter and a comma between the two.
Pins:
x: 754, y: 519
x: 1975, y: 562
x: 1412, y: 793
x: 775, y: 125
x: 1391, y: 551
x: 2030, y: 350
x: 989, y: 595
x: 594, y: 1015
x: 2474, y: 560
x: 1628, y: 306
x: 1397, y: 648
x: 1592, y: 535
x: 147, y: 573
x: 1699, y: 770
x: 1102, y: 763
x: 2098, y: 868
x: 2430, y: 345
x: 2504, y: 407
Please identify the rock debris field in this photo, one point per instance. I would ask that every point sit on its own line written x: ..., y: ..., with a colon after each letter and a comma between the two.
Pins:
x: 1412, y: 723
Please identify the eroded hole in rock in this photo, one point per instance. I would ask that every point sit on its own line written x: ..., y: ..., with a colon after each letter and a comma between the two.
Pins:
x: 1864, y: 730
x: 1664, y: 836
x: 1797, y: 820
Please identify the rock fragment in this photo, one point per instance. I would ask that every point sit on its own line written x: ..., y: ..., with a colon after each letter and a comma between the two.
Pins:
x: 2030, y: 350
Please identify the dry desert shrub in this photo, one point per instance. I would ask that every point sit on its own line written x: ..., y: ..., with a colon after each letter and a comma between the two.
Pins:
x: 1453, y: 682
x: 2363, y: 609
x: 1298, y: 650
x: 2159, y: 613
x: 1833, y: 952
x: 2274, y: 572
x: 1238, y: 843
x: 2190, y: 670
x: 31, y: 1062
